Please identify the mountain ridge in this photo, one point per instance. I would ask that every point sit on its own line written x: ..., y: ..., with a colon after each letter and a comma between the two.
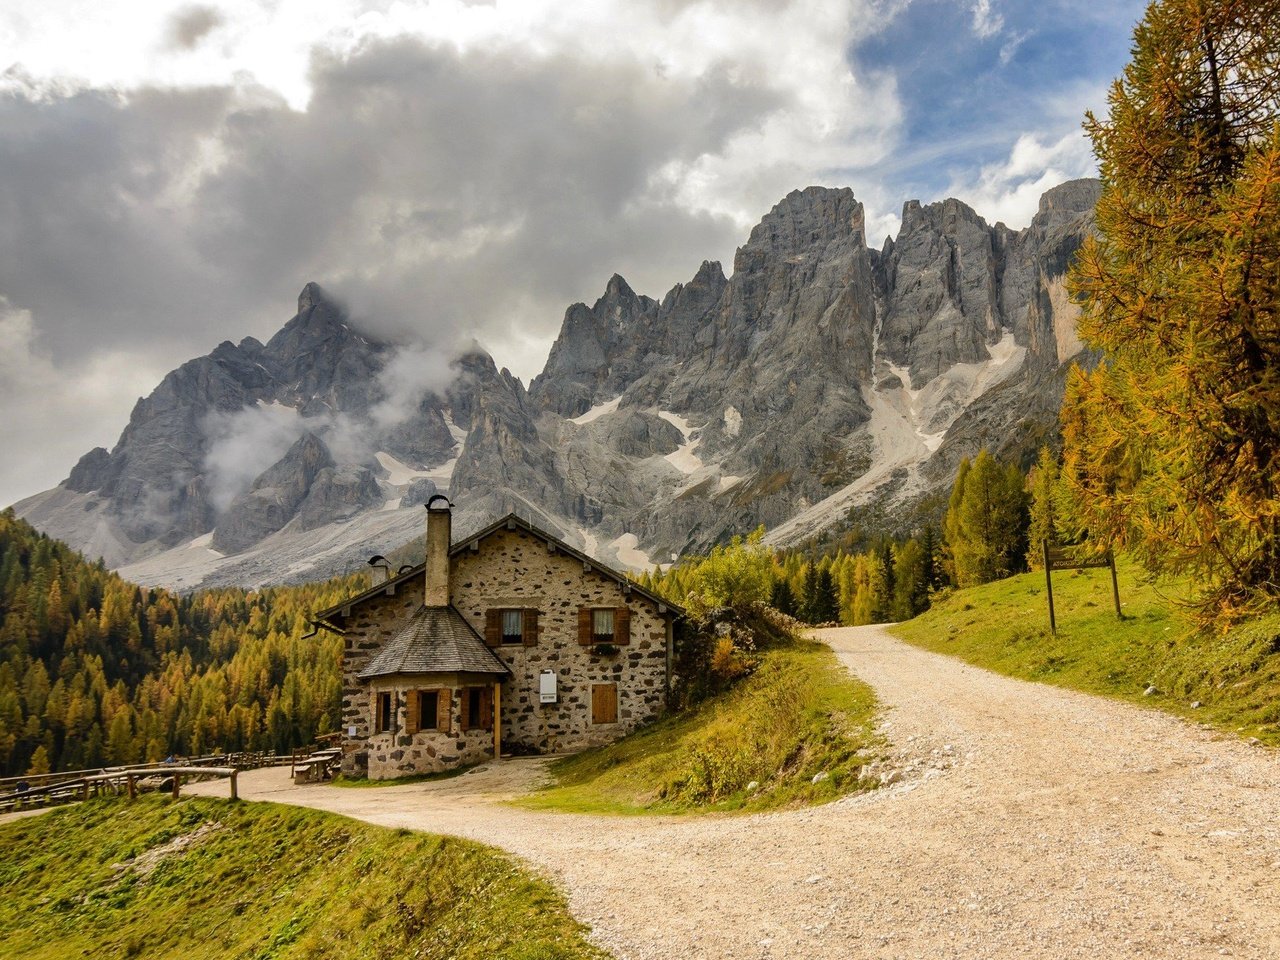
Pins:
x: 820, y: 376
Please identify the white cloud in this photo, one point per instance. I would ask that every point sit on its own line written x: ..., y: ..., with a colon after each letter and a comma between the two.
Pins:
x: 1010, y: 190
x: 54, y: 414
x: 986, y: 22
x: 1009, y: 48
x: 244, y: 443
x: 441, y: 163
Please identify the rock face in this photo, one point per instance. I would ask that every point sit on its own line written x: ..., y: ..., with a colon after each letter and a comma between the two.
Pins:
x: 274, y: 497
x: 822, y: 378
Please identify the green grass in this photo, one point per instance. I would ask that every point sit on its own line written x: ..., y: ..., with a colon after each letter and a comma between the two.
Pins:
x: 362, y: 783
x: 797, y: 715
x: 259, y: 881
x: 1004, y: 626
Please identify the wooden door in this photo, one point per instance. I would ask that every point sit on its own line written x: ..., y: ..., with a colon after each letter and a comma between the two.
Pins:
x: 604, y: 703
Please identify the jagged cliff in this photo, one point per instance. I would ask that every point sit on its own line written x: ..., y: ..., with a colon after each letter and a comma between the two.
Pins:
x: 821, y: 376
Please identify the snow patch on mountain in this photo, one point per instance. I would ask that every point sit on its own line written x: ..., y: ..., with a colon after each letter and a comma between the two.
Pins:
x: 907, y: 427
x: 732, y: 421
x: 598, y: 411
x: 627, y: 549
x: 683, y: 459
x: 399, y: 474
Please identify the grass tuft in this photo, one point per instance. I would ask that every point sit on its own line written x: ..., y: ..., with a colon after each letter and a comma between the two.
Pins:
x: 797, y: 716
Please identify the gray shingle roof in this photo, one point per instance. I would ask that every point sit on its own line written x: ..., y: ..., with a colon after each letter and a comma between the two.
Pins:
x: 435, y: 640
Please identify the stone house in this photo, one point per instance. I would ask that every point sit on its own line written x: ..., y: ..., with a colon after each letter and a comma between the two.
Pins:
x: 509, y: 641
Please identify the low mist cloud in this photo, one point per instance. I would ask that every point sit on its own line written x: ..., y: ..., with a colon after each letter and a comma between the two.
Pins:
x: 411, y: 374
x: 241, y: 445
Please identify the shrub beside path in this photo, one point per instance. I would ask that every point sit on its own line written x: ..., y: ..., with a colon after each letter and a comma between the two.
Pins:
x: 1029, y: 821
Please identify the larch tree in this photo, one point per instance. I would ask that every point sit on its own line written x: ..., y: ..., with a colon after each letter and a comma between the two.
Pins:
x: 1172, y: 442
x: 1042, y: 485
x: 987, y: 525
x: 952, y: 535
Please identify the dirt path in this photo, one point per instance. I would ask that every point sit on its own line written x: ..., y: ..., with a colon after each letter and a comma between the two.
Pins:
x: 1031, y: 822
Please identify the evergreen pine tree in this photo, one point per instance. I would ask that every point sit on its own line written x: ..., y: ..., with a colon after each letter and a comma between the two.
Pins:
x: 826, y: 608
x: 809, y: 602
x: 931, y: 565
x: 782, y: 599
x: 911, y: 585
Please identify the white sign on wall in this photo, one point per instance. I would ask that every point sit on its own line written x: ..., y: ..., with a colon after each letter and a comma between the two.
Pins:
x: 547, y: 687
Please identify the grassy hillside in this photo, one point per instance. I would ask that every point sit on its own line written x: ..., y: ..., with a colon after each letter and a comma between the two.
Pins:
x: 1004, y: 626
x: 204, y: 878
x: 799, y: 715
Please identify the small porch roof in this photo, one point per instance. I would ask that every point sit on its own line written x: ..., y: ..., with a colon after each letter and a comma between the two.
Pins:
x: 435, y: 640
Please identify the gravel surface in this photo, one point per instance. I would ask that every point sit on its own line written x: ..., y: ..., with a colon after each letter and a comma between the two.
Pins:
x: 1028, y: 822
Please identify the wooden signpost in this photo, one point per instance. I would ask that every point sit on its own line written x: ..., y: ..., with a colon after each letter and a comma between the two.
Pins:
x: 1059, y: 558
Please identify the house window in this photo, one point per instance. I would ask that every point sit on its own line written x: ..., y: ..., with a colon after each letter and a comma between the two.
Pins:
x: 604, y: 703
x: 382, y: 713
x: 428, y: 709
x: 422, y: 711
x: 602, y: 625
x: 477, y: 708
x: 513, y: 626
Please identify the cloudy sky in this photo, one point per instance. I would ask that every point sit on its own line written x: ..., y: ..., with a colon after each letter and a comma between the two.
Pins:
x: 171, y: 174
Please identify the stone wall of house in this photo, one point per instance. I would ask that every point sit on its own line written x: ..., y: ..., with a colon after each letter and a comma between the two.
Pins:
x: 370, y: 625
x: 512, y: 568
x: 515, y: 568
x: 396, y: 753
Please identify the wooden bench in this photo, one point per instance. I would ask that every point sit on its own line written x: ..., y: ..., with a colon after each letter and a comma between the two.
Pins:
x: 319, y: 766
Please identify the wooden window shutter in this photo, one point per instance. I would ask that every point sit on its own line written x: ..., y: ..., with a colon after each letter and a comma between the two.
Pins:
x: 486, y: 708
x: 413, y: 712
x: 375, y: 711
x: 444, y: 709
x: 604, y: 703
x: 530, y: 627
x: 493, y: 628
x: 584, y: 626
x: 622, y: 625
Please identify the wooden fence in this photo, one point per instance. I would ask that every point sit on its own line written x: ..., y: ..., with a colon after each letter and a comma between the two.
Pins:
x: 67, y: 786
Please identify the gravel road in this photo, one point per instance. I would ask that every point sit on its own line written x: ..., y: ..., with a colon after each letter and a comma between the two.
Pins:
x: 1030, y: 822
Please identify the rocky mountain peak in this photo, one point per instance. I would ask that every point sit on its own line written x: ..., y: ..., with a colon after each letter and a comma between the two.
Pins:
x: 617, y: 290
x: 944, y: 216
x: 710, y: 274
x: 1073, y: 197
x: 585, y: 357
x: 319, y: 318
x: 311, y: 294
x: 809, y: 219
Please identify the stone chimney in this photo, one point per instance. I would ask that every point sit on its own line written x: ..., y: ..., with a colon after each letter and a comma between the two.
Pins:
x: 381, y: 569
x: 439, y: 515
